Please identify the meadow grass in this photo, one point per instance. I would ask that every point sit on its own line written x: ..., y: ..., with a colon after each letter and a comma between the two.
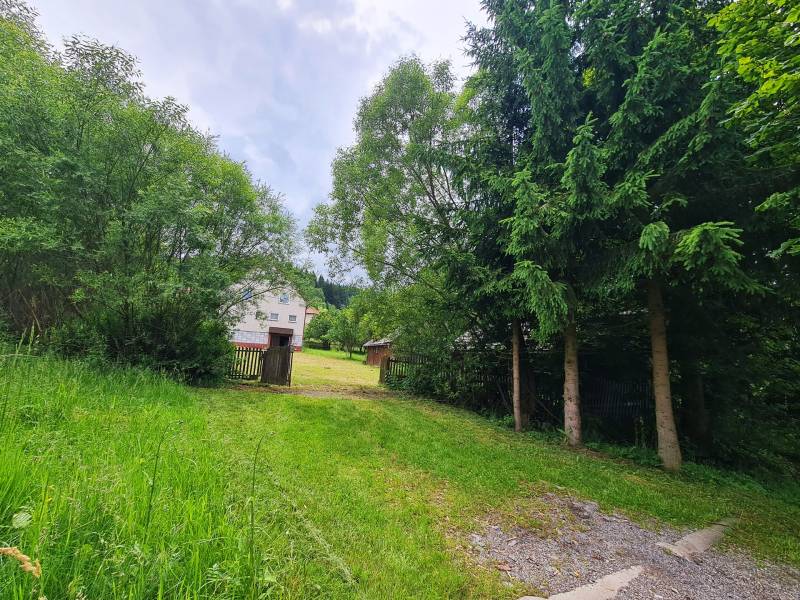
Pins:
x: 334, y: 353
x: 345, y: 498
x: 331, y: 369
x: 78, y: 455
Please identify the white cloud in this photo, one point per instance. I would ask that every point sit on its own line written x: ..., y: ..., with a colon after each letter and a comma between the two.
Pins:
x: 277, y: 81
x: 318, y: 25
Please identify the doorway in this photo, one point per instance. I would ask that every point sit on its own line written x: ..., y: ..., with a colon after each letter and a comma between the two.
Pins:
x: 280, y: 337
x: 277, y: 340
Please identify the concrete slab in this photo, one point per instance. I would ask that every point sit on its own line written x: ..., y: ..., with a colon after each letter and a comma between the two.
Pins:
x: 692, y: 545
x: 604, y: 588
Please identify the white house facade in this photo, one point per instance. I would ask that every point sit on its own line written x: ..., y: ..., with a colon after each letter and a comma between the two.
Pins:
x: 272, y: 319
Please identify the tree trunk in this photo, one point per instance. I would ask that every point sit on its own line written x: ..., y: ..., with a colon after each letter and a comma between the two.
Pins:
x: 668, y: 447
x: 520, y: 416
x: 572, y: 399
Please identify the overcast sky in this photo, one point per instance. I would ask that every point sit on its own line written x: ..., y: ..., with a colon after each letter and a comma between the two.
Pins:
x: 277, y: 80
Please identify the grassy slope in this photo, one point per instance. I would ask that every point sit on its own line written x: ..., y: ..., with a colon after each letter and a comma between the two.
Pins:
x: 353, y: 498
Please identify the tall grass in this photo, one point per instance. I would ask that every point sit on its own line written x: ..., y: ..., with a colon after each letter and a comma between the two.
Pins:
x: 125, y: 485
x: 121, y: 491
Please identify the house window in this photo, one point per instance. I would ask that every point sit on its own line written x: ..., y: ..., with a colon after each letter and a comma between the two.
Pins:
x: 247, y: 294
x: 273, y: 316
x: 292, y: 318
x: 284, y: 299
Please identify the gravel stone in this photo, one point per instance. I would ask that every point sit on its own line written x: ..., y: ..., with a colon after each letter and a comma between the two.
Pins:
x: 584, y: 544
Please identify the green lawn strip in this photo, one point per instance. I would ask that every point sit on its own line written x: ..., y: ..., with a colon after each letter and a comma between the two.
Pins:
x: 377, y: 517
x: 388, y: 488
x: 321, y: 369
x: 496, y: 466
x: 358, y: 357
x: 466, y: 449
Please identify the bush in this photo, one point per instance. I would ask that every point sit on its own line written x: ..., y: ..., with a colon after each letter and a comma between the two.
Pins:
x: 127, y: 238
x: 317, y: 344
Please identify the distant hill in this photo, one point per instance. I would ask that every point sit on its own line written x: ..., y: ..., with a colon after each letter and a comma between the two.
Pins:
x: 335, y: 294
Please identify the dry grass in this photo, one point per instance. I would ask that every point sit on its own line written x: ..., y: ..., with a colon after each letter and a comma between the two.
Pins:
x: 25, y: 563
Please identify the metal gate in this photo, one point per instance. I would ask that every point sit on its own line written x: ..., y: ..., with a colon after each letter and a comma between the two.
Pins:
x: 276, y: 365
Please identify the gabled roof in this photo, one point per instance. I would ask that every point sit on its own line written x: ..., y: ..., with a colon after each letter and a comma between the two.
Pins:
x: 382, y: 342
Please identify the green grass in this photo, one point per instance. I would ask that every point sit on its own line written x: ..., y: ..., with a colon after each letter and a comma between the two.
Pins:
x: 350, y: 498
x: 331, y: 368
x: 333, y: 353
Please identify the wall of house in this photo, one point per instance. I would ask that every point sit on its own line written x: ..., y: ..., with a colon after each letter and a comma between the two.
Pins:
x: 284, y: 310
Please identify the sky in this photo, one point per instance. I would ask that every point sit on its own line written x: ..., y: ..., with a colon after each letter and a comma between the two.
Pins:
x: 278, y: 81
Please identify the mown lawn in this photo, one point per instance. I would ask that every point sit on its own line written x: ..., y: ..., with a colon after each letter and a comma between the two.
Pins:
x: 349, y: 498
x: 331, y: 369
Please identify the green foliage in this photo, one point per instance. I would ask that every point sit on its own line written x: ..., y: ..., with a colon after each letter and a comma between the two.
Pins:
x: 320, y: 325
x: 123, y: 231
x: 785, y: 205
x: 759, y: 43
x: 759, y: 46
x: 345, y: 330
x: 708, y: 251
x: 333, y: 294
x: 546, y: 298
x: 601, y: 147
x: 654, y: 246
x: 394, y: 207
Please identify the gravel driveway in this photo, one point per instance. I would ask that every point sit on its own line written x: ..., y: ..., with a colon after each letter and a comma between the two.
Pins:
x: 585, y: 544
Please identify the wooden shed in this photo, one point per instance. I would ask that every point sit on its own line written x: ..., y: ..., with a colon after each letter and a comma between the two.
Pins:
x: 376, y: 350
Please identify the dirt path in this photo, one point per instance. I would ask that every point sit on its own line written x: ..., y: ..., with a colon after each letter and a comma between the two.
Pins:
x: 582, y: 545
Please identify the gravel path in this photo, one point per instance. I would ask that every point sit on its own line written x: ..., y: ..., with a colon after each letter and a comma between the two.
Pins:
x: 585, y: 544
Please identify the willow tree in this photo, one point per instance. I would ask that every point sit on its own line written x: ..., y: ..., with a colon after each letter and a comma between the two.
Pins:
x: 395, y: 209
x: 123, y: 231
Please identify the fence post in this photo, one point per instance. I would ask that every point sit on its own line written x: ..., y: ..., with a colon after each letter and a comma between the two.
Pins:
x: 264, y: 367
x: 384, y: 368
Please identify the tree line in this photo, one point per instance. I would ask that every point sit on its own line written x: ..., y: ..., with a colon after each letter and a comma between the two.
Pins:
x: 125, y: 233
x: 616, y: 177
x: 335, y: 294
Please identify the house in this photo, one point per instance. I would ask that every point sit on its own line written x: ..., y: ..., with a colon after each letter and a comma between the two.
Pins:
x: 311, y: 312
x: 376, y: 350
x: 272, y: 319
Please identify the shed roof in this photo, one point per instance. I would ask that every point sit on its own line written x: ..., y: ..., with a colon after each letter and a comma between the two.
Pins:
x: 375, y: 343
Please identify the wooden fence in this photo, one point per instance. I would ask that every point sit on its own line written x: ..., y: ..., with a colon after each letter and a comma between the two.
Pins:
x: 273, y: 365
x: 397, y: 367
x: 277, y: 365
x: 246, y: 363
x: 486, y: 383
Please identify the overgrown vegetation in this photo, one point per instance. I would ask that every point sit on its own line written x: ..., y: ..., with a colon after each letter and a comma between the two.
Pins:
x: 124, y: 232
x: 618, y: 179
